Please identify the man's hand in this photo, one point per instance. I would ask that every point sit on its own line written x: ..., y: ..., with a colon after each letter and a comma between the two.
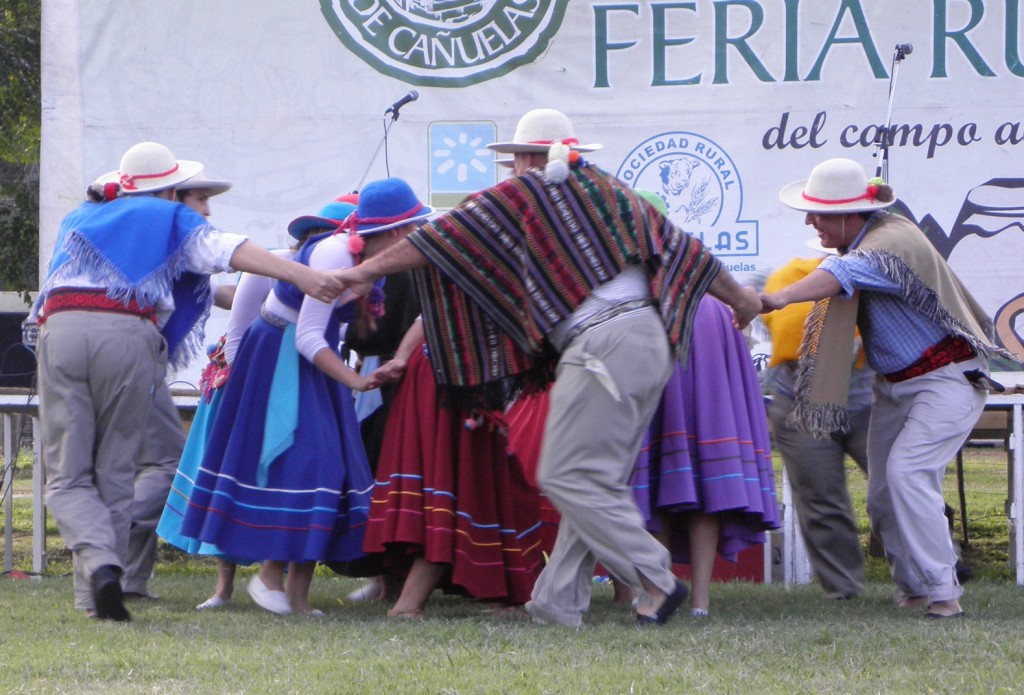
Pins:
x: 772, y: 301
x: 319, y: 284
x: 354, y: 279
x: 818, y: 284
x: 746, y: 307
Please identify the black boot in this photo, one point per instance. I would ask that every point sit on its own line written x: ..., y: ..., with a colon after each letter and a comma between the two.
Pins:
x: 107, y: 596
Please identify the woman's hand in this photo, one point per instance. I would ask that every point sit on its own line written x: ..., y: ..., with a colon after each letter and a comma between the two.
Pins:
x: 318, y: 284
x: 390, y: 372
x: 359, y: 382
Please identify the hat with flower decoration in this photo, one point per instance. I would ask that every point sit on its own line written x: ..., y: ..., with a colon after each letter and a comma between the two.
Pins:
x: 836, y: 186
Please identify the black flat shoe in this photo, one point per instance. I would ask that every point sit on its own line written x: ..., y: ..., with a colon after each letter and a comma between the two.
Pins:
x: 940, y: 616
x: 107, y: 596
x: 139, y: 596
x: 667, y: 608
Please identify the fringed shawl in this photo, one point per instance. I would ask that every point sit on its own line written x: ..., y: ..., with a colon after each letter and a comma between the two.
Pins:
x: 138, y: 247
x: 905, y: 256
x: 512, y: 262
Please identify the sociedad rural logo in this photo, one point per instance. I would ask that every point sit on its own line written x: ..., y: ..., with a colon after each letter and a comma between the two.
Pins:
x: 700, y: 185
x: 445, y: 43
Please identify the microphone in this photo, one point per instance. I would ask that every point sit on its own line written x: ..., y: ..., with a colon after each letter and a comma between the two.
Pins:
x: 904, y: 49
x: 412, y: 95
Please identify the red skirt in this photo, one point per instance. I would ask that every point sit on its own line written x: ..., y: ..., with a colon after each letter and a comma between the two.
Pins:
x: 453, y: 496
x: 526, y: 418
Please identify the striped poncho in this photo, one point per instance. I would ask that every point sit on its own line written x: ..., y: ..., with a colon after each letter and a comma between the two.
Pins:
x: 512, y: 262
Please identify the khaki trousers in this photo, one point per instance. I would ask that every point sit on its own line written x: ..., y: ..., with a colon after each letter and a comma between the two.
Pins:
x: 157, y: 462
x: 817, y: 474
x: 609, y: 382
x: 917, y: 426
x: 98, y: 373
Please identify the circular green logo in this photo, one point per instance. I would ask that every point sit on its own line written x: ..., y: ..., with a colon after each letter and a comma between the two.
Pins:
x: 445, y: 43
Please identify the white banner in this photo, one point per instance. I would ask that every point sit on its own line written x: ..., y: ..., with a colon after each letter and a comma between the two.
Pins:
x: 713, y: 104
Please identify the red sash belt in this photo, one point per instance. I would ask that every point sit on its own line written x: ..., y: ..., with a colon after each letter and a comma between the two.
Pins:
x: 92, y: 300
x: 947, y: 351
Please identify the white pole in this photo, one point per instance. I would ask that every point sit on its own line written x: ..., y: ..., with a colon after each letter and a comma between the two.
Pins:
x: 1017, y: 508
x: 8, y: 491
x: 38, y: 507
x: 61, y: 186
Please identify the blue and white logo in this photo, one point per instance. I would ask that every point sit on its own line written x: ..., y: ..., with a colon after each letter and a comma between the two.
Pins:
x: 701, y: 187
x: 460, y: 162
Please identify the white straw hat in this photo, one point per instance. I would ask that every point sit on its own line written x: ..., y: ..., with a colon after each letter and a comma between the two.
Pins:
x: 199, y: 181
x: 835, y: 186
x: 538, y: 130
x: 814, y: 243
x: 104, y: 179
x: 149, y: 166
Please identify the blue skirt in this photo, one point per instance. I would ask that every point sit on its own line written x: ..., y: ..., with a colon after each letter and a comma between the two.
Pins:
x: 169, y: 527
x: 315, y: 502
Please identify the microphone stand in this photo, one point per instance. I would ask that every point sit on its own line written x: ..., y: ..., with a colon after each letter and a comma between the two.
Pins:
x: 882, y: 139
x: 382, y: 144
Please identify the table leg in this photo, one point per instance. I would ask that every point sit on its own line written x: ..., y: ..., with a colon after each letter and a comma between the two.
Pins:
x: 796, y: 566
x: 8, y: 491
x: 38, y: 506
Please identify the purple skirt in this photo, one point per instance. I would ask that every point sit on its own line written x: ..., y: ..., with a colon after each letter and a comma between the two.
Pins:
x: 707, y: 449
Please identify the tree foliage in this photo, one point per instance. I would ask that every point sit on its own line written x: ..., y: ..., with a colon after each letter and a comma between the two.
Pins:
x: 20, y: 124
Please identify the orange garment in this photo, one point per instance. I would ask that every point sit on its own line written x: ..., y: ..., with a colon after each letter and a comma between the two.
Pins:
x: 787, y: 324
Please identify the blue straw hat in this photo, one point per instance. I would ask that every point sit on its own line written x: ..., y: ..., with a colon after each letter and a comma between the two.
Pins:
x: 331, y: 216
x: 387, y: 204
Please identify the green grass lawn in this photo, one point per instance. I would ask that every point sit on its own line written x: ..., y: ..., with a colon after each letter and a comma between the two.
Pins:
x: 771, y: 639
x: 760, y: 638
x: 985, y: 483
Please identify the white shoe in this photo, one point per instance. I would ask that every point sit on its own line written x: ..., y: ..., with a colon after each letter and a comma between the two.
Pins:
x: 369, y: 591
x: 273, y: 601
x: 212, y: 602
